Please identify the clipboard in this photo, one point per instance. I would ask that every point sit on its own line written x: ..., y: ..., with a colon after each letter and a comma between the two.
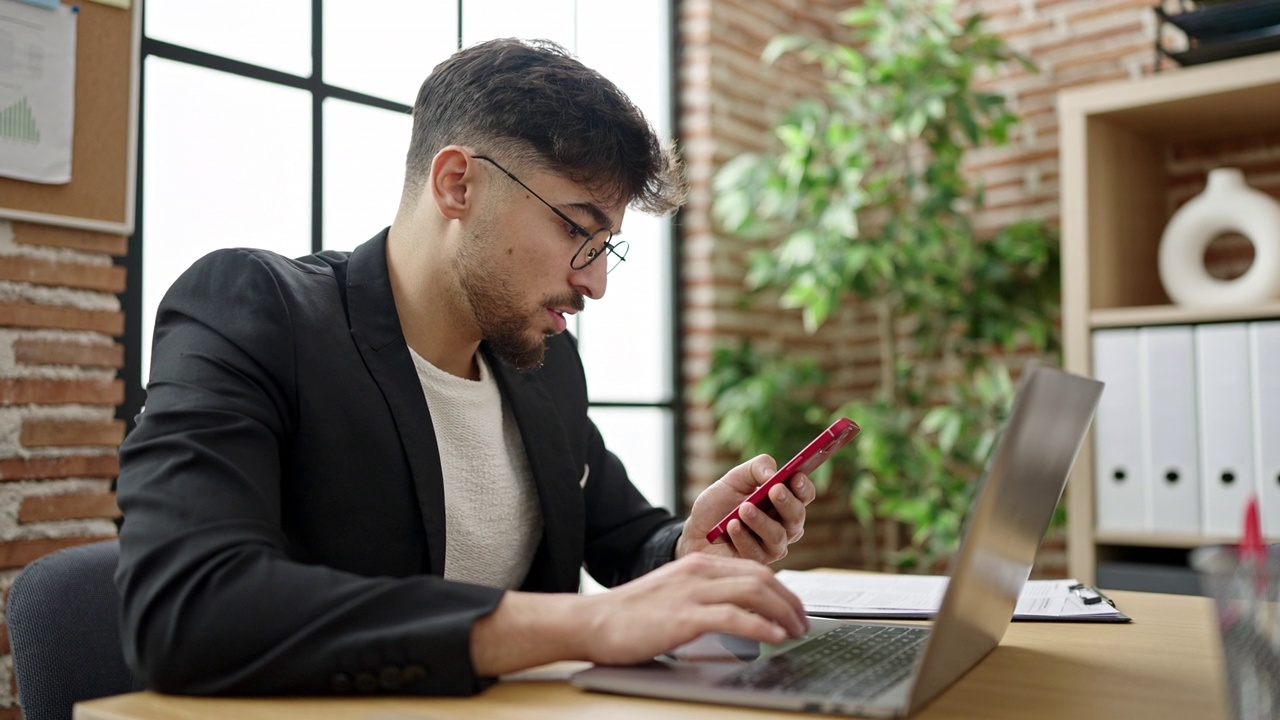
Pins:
x: 917, y: 597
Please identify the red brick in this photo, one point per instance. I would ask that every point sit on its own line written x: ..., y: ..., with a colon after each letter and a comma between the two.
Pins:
x: 30, y: 315
x: 1075, y: 44
x: 71, y: 433
x: 1140, y: 47
x: 4, y: 640
x: 1052, y: 89
x: 13, y: 712
x: 35, y: 234
x: 49, y: 391
x: 1020, y: 159
x: 31, y: 351
x: 1217, y: 148
x: 45, y: 468
x: 69, y: 506
x: 39, y: 271
x: 1136, y: 8
x: 20, y: 553
x: 1033, y: 27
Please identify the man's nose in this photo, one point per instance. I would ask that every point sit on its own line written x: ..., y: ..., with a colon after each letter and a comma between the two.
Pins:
x: 592, y: 280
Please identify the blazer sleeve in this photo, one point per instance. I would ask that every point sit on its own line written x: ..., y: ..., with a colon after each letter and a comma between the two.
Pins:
x: 211, y: 601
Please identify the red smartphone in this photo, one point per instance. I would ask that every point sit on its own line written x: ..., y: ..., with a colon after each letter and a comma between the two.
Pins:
x: 813, y: 455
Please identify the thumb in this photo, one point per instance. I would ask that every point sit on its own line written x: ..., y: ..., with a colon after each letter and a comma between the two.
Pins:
x: 756, y: 471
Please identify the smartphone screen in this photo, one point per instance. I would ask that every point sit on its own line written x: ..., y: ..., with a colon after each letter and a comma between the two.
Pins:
x: 808, y: 460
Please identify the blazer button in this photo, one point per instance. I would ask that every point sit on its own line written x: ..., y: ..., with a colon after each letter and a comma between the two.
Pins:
x: 341, y: 683
x: 366, y: 682
x: 391, y: 678
x: 414, y: 673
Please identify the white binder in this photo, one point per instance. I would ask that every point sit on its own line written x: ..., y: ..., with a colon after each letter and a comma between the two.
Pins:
x: 1226, y: 426
x: 1171, y: 461
x: 1120, y: 499
x: 1264, y: 361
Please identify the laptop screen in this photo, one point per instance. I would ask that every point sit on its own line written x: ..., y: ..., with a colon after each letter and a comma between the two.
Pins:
x: 1016, y: 497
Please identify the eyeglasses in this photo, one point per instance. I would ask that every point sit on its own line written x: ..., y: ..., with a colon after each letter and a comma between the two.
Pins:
x: 594, y: 244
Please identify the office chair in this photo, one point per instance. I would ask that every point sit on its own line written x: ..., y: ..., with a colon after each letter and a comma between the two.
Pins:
x: 64, y: 631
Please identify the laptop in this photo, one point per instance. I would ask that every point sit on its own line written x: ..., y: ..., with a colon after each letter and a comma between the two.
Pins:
x: 892, y: 670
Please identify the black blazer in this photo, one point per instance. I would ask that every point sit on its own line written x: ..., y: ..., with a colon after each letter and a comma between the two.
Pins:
x: 283, y: 501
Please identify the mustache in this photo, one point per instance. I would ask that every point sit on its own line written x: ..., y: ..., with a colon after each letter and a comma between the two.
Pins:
x: 571, y: 299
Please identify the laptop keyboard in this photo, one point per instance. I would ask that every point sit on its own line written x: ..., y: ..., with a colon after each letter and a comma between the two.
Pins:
x: 850, y: 661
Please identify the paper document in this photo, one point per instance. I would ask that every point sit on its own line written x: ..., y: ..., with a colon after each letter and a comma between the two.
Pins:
x: 37, y: 91
x: 867, y: 595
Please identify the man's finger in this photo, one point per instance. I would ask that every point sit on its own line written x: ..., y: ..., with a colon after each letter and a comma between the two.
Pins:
x: 771, y: 532
x: 729, y: 618
x: 769, y: 600
x: 790, y: 511
x: 746, y: 543
x: 803, y: 488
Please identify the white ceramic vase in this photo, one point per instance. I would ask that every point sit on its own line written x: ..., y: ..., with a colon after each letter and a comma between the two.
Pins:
x: 1226, y: 205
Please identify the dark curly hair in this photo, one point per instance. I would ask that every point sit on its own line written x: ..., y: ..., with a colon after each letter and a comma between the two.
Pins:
x: 532, y: 102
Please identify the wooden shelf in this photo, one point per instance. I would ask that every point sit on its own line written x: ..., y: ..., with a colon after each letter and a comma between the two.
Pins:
x: 1115, y: 143
x: 1221, y: 100
x: 1154, y: 540
x: 1179, y: 315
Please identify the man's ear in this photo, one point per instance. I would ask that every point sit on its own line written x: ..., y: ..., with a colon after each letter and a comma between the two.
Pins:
x: 450, y: 182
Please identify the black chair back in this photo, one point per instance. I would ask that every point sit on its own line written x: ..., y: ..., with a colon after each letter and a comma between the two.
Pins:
x: 64, y: 631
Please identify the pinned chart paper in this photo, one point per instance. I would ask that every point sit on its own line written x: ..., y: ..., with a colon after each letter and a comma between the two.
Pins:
x: 37, y: 91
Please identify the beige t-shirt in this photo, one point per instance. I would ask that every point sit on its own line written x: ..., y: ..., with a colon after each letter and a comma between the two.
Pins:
x: 493, y: 522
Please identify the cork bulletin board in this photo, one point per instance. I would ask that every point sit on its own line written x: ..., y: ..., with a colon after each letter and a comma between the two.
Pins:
x: 100, y: 195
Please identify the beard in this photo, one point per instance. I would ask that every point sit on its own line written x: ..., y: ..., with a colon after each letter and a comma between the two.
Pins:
x: 511, y: 331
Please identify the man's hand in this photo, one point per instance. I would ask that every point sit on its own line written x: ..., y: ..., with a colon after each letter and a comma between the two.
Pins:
x: 639, y: 620
x: 709, y: 588
x: 681, y: 600
x: 760, y: 535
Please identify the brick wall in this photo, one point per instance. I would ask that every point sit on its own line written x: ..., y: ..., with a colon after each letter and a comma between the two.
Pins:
x: 59, y: 317
x: 728, y: 102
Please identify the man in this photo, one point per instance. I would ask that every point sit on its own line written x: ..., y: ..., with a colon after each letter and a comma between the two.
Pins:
x: 374, y: 471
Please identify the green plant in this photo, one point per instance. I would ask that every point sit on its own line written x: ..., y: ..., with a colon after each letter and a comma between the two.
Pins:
x: 866, y: 198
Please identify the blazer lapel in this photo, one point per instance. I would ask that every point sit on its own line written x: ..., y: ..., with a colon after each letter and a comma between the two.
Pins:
x: 551, y: 459
x: 375, y: 327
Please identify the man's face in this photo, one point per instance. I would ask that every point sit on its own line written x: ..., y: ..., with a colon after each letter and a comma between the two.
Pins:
x: 514, y: 262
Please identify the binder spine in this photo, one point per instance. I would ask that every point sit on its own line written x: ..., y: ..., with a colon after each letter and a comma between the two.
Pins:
x: 1226, y: 432
x: 1169, y: 418
x: 1120, y: 497
x: 1264, y: 362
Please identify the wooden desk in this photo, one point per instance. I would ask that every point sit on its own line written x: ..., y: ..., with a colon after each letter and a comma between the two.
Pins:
x: 1167, y: 663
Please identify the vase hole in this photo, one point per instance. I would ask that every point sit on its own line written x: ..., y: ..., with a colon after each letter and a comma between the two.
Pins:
x: 1228, y: 256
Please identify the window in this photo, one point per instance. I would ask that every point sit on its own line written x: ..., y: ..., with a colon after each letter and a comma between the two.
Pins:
x: 284, y: 125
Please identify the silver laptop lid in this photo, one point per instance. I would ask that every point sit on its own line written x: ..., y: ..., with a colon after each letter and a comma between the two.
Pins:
x: 1023, y: 482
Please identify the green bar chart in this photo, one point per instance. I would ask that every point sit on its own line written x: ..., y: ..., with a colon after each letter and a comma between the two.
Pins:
x: 17, y: 122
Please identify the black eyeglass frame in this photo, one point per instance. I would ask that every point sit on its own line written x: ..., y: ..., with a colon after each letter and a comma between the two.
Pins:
x: 618, y: 250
